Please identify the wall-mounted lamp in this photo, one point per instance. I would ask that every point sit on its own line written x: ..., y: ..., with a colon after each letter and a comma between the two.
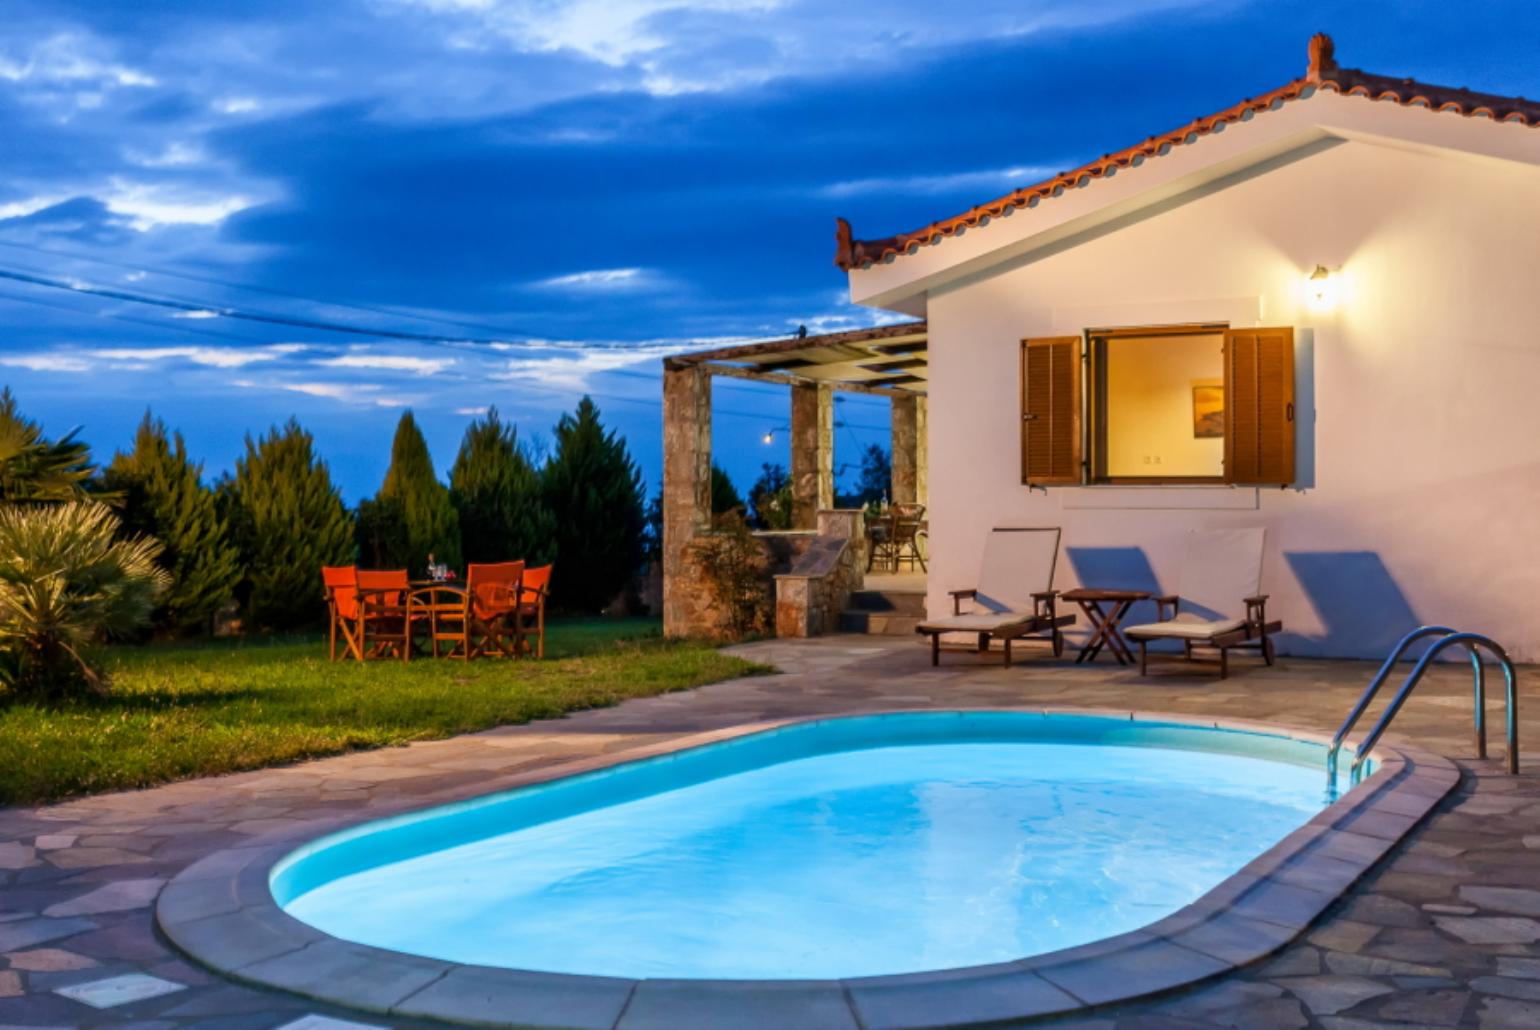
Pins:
x: 1322, y: 288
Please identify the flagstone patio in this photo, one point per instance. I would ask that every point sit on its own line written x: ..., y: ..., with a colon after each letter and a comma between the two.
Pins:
x: 1446, y: 932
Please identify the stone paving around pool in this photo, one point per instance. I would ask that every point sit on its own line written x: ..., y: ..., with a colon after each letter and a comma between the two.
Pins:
x: 1445, y: 933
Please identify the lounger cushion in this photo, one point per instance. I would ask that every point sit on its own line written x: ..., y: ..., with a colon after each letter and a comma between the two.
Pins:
x: 1184, y: 627
x: 978, y: 622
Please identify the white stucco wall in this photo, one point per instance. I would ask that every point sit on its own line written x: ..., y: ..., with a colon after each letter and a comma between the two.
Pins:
x: 1419, y: 494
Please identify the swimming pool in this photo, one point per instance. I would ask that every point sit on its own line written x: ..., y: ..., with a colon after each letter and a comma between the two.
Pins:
x: 850, y: 847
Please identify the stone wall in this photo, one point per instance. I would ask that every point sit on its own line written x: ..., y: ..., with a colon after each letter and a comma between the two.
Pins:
x: 810, y: 597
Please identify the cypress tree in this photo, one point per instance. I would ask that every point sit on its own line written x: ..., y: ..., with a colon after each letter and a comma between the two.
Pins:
x: 412, y: 516
x: 164, y: 497
x: 595, y: 492
x: 289, y: 520
x: 724, y: 495
x: 496, y: 490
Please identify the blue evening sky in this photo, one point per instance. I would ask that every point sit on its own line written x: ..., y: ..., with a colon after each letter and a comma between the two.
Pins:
x: 592, y: 183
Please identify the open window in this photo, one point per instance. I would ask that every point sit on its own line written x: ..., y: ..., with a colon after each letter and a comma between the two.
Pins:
x: 1181, y: 404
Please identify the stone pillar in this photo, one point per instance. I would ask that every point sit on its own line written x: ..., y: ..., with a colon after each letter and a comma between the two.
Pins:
x: 812, y: 453
x: 849, y: 524
x: 910, y: 450
x: 686, y: 496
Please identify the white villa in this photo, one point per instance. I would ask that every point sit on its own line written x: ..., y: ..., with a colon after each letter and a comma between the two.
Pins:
x: 1314, y: 312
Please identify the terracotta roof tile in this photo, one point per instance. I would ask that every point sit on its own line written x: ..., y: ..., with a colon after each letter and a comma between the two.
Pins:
x: 1323, y: 73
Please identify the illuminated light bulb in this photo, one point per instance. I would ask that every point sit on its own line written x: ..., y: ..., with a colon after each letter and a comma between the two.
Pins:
x: 1322, y: 289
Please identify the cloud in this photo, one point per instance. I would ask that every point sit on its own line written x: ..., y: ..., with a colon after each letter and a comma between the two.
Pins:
x: 176, y: 154
x: 675, y: 47
x: 71, y: 59
x: 343, y: 392
x: 574, y: 371
x: 46, y: 362
x: 601, y: 279
x: 990, y: 179
x: 351, y: 392
x: 151, y: 205
x: 390, y: 362
x: 237, y: 105
x: 28, y: 206
x: 212, y: 357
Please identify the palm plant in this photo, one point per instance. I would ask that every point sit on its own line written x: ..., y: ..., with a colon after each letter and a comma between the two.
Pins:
x: 67, y: 580
x: 34, y: 468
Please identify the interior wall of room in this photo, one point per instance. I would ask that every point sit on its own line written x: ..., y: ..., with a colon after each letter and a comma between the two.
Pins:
x: 1150, y: 380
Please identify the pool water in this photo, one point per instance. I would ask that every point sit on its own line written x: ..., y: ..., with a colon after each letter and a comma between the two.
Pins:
x: 847, y: 857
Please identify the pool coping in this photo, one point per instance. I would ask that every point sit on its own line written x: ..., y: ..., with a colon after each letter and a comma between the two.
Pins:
x: 220, y: 912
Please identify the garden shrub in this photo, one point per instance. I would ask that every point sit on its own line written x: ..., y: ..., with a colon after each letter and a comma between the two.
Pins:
x: 770, y: 498
x: 735, y: 568
x: 67, y: 580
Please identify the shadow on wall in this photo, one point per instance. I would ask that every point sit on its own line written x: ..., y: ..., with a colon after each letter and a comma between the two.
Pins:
x: 1357, y: 600
x: 1116, y: 568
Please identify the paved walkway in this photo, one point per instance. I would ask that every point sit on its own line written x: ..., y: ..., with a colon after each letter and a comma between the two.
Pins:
x: 1445, y: 934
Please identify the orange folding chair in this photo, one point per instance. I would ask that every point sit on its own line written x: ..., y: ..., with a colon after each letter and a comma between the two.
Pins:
x: 368, y: 612
x: 341, y: 582
x: 382, y: 595
x: 530, y: 618
x: 492, y: 595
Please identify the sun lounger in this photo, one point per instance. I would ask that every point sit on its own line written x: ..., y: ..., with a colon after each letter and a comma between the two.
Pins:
x: 1014, y: 597
x: 1221, y: 605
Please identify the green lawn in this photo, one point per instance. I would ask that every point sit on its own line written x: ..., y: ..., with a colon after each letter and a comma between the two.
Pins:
x: 182, y: 710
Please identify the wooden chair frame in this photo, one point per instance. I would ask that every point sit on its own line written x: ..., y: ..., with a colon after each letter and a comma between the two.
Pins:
x: 907, y: 519
x: 1045, y: 619
x: 879, y: 542
x: 1255, y: 633
x: 533, y: 606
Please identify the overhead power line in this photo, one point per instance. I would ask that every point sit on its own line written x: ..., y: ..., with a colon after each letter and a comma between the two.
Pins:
x: 522, y: 385
x: 270, y: 291
x: 193, y: 307
x: 240, y: 314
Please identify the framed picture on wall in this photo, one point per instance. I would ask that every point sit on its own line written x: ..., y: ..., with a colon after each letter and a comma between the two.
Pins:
x: 1208, y: 411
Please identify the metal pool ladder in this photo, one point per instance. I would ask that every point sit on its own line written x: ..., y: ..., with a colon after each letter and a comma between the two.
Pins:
x: 1474, y: 644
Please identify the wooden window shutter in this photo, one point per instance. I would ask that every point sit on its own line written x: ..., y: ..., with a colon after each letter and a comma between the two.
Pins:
x: 1259, y: 406
x: 1050, y: 411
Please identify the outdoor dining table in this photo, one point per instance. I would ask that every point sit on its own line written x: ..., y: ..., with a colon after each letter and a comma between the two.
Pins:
x: 431, y: 599
x: 1105, y: 621
x: 881, y: 530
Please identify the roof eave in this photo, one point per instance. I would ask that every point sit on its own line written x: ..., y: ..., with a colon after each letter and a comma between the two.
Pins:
x: 1296, y: 129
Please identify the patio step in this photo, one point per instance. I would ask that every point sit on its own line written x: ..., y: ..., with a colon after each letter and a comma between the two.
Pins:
x: 880, y: 624
x: 887, y: 613
x: 888, y: 602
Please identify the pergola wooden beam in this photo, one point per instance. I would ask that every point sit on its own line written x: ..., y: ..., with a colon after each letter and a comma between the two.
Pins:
x: 787, y: 379
x: 888, y: 335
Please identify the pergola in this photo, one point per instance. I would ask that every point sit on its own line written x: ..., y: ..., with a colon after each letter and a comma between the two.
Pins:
x: 890, y: 361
